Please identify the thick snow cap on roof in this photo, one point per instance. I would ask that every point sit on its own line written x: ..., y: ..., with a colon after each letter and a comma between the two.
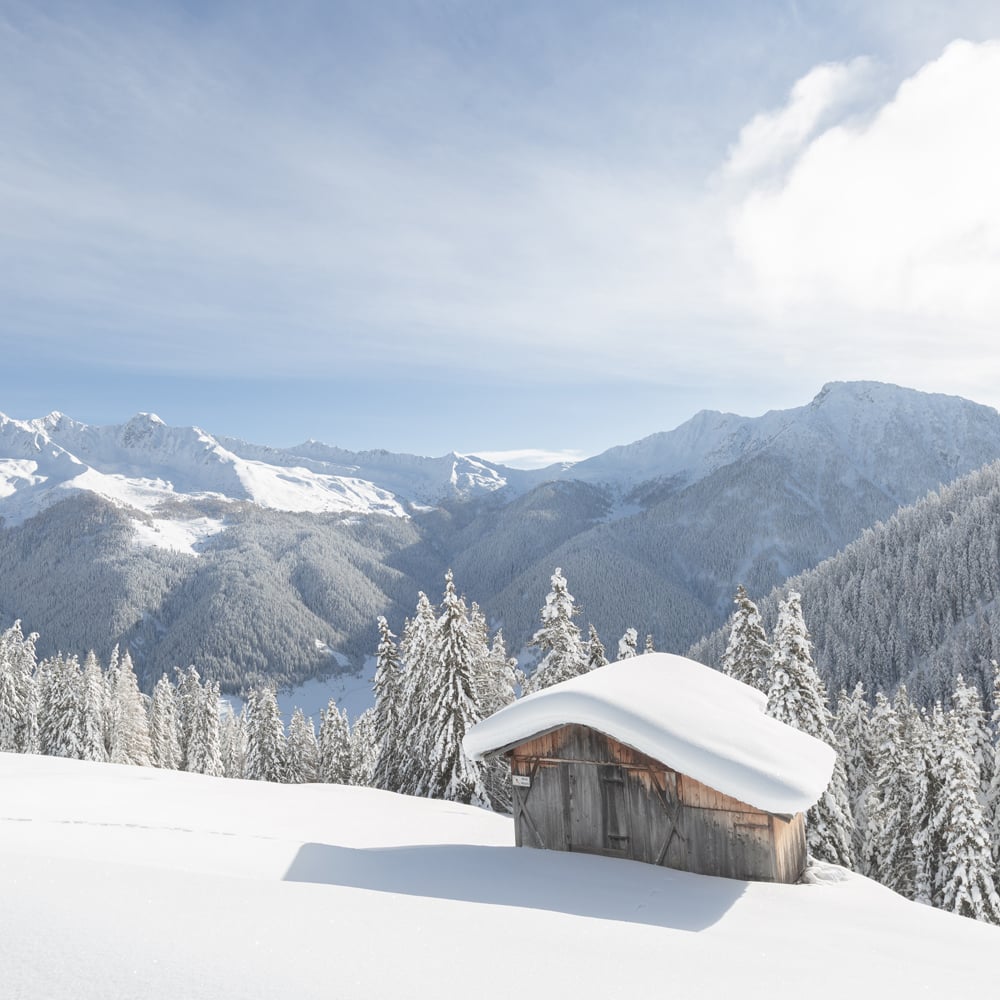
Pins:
x: 686, y: 715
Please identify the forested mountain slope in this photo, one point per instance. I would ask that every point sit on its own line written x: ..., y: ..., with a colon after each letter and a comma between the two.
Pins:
x: 913, y: 600
x: 249, y: 560
x: 738, y: 500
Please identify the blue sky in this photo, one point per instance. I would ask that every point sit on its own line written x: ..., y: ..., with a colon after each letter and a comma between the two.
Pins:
x: 491, y: 226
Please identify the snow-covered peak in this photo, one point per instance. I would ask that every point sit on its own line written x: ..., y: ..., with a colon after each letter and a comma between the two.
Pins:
x: 145, y: 462
x: 848, y: 418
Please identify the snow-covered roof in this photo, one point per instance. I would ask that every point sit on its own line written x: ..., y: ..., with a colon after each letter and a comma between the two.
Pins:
x: 686, y: 715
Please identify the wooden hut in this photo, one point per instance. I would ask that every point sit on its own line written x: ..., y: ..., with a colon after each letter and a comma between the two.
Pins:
x: 662, y: 760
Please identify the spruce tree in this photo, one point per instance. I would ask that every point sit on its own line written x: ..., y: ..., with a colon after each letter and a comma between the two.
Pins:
x: 748, y: 653
x: 495, y: 682
x: 925, y: 811
x: 18, y: 660
x: 60, y: 721
x: 233, y: 742
x: 563, y: 654
x: 163, y: 726
x: 888, y: 855
x: 130, y: 742
x: 852, y: 731
x: 92, y: 710
x: 596, y: 654
x: 204, y: 751
x: 627, y: 644
x: 967, y: 880
x: 334, y: 746
x: 265, y: 759
x: 451, y: 773
x: 363, y: 749
x: 420, y: 651
x: 187, y: 698
x: 797, y: 697
x: 303, y: 751
x: 11, y: 703
x: 991, y: 810
x: 388, y: 716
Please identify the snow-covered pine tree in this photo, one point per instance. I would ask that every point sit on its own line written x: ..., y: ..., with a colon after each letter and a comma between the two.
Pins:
x: 748, y: 653
x: 563, y: 654
x: 92, y: 710
x: 43, y: 698
x: 11, y: 705
x: 364, y: 751
x: 204, y: 751
x: 451, y: 773
x: 265, y: 737
x: 233, y: 742
x: 596, y: 654
x: 925, y: 811
x: 851, y: 729
x: 130, y: 742
x: 17, y: 656
x: 967, y: 882
x: 334, y: 746
x: 495, y: 678
x: 991, y: 811
x: 420, y: 656
x: 187, y: 697
x: 60, y: 720
x: 888, y: 849
x: 495, y: 682
x: 389, y: 684
x: 628, y: 644
x: 110, y: 705
x: 798, y: 698
x: 303, y: 751
x: 968, y: 706
x: 163, y: 726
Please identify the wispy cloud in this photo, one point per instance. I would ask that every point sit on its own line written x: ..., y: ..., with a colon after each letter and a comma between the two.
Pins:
x: 773, y: 138
x: 530, y: 458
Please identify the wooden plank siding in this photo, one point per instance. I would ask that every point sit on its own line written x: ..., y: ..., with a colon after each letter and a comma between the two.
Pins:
x: 588, y: 792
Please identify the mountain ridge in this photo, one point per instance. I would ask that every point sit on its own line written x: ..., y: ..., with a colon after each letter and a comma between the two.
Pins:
x: 203, y: 560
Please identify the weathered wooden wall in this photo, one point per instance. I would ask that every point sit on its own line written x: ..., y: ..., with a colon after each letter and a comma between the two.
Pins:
x: 588, y: 792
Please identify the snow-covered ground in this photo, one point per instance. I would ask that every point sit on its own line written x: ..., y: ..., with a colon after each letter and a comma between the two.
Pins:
x: 132, y: 883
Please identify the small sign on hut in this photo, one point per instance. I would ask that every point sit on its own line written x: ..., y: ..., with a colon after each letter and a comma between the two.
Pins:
x: 663, y: 760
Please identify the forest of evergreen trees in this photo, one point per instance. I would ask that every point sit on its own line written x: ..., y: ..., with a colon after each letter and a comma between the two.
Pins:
x: 914, y: 801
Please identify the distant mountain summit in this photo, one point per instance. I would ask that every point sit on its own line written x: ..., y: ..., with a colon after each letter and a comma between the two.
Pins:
x: 251, y: 561
x: 144, y: 463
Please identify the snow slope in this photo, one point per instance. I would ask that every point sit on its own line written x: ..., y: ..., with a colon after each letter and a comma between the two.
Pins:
x: 132, y: 883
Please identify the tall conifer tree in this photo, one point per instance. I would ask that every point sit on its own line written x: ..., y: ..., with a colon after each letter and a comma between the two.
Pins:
x: 451, y: 773
x: 748, y: 653
x: 797, y: 697
x: 388, y: 716
x: 563, y: 654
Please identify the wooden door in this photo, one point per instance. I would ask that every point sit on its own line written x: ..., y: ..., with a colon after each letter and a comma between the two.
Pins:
x: 597, y: 808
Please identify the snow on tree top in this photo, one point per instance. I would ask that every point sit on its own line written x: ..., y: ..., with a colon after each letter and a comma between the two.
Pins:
x: 692, y: 718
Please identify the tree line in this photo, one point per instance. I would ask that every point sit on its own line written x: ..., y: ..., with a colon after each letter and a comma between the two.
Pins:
x: 914, y: 800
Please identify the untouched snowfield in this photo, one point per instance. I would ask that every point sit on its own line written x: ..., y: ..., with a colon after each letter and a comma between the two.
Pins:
x: 123, y: 883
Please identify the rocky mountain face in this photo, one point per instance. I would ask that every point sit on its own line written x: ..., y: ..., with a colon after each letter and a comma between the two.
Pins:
x: 251, y: 561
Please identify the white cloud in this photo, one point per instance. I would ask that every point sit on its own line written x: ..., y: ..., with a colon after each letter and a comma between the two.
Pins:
x: 530, y: 458
x: 771, y: 138
x: 894, y: 225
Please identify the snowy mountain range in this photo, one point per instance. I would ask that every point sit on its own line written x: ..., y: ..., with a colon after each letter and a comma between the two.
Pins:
x: 144, y: 463
x: 251, y: 561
